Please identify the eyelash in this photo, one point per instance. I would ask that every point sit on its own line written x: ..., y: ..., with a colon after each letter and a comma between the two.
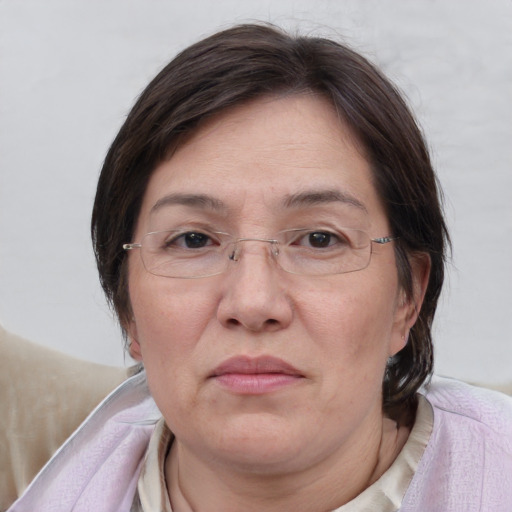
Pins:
x: 183, y: 234
x: 206, y: 238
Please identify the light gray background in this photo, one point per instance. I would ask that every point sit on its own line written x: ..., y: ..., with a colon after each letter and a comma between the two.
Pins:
x: 70, y: 70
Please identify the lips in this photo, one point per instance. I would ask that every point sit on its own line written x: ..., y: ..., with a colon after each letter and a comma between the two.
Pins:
x: 259, y: 365
x: 253, y: 376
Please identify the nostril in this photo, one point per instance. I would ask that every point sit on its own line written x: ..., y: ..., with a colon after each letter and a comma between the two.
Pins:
x: 270, y: 323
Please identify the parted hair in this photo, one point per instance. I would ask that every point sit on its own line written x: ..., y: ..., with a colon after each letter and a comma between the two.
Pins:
x: 250, y: 61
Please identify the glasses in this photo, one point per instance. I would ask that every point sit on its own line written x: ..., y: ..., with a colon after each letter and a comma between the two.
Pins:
x: 192, y: 254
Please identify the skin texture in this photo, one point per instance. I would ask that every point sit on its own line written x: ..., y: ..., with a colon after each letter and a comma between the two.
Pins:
x: 317, y: 441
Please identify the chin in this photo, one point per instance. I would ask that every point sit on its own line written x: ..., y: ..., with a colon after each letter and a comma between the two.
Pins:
x: 260, y: 443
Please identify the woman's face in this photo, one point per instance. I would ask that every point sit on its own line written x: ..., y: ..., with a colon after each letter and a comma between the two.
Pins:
x: 258, y: 368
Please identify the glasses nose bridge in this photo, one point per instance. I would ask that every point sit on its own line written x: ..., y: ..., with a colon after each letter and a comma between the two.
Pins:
x: 237, y: 246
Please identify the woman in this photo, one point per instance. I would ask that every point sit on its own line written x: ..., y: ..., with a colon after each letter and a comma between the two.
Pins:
x: 268, y: 228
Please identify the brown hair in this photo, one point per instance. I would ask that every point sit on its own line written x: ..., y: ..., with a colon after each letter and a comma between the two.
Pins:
x: 249, y: 61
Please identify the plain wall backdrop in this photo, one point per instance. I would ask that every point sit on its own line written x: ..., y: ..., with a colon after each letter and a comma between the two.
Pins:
x: 71, y: 69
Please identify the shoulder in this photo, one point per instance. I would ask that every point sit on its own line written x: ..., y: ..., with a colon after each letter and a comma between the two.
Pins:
x: 467, y: 464
x: 471, y: 405
x: 471, y: 420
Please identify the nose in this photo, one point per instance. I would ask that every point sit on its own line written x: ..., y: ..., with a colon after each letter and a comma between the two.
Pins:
x: 254, y: 294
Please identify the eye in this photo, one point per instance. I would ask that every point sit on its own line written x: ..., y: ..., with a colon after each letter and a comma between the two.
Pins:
x: 321, y: 239
x: 189, y: 240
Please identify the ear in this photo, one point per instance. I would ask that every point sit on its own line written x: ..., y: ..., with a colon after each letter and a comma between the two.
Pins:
x: 408, y: 308
x: 133, y: 341
x: 420, y: 269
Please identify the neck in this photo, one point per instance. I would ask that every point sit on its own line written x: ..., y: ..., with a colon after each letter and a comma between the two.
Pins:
x: 196, y: 486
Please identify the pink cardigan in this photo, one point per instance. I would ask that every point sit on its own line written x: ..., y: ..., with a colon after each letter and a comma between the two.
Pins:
x: 466, y: 467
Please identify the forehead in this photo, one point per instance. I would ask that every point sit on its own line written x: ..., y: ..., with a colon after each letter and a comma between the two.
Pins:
x: 266, y: 154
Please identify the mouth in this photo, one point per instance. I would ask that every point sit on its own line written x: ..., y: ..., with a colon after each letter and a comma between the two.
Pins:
x: 254, y: 376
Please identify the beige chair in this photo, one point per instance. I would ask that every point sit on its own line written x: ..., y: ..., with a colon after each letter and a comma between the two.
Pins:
x: 44, y: 396
x: 502, y: 388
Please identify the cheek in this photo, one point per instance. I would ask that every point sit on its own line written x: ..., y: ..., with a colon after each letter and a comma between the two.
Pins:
x: 351, y: 321
x: 170, y: 316
x: 350, y: 328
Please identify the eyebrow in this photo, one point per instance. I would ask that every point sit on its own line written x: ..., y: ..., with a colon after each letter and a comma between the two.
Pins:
x: 202, y: 201
x: 316, y: 197
x: 301, y: 199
